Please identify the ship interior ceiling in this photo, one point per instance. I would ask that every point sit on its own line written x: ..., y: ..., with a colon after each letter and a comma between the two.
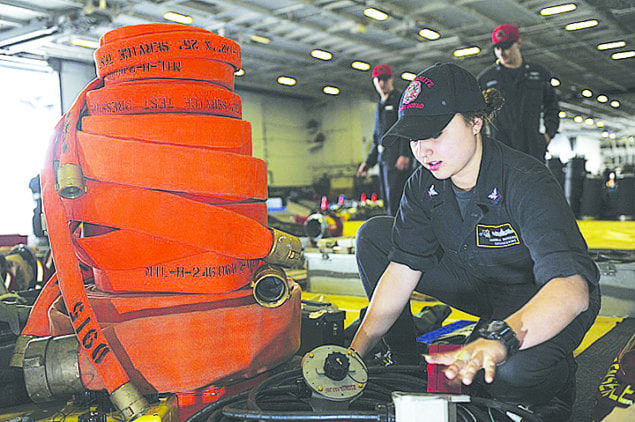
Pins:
x: 296, y: 121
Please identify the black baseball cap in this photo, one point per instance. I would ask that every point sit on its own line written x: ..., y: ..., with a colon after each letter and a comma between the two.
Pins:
x: 431, y: 101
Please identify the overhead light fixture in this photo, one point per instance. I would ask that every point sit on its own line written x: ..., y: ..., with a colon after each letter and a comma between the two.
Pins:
x: 554, y: 10
x: 578, y: 119
x: 287, y: 80
x: 81, y: 42
x: 321, y: 54
x: 555, y: 82
x: 587, y: 93
x: 363, y: 66
x: 468, y: 51
x: 623, y: 55
x: 260, y: 39
x: 589, y: 121
x: 612, y: 44
x: 376, y: 14
x: 331, y: 90
x: 605, y: 134
x: 602, y: 98
x: 582, y: 25
x: 612, y: 135
x: 239, y: 72
x: 429, y: 34
x: 615, y: 104
x: 599, y: 123
x: 178, y: 18
x: 408, y: 76
x: 562, y: 114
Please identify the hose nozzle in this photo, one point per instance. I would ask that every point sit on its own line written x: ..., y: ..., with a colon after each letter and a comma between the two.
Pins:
x: 70, y: 181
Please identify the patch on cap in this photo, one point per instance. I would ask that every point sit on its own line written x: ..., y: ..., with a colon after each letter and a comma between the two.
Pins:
x: 412, y: 92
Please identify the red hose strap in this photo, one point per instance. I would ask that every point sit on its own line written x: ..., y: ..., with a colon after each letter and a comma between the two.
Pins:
x: 71, y: 284
x: 188, y: 130
x: 199, y: 69
x: 162, y: 96
x: 130, y: 51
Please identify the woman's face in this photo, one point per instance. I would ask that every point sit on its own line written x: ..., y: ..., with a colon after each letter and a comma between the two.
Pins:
x: 455, y: 153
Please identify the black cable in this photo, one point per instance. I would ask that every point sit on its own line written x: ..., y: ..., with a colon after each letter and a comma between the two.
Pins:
x: 302, y: 416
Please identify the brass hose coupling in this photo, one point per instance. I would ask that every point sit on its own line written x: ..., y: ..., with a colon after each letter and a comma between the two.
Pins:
x: 270, y: 286
x: 129, y: 401
x: 17, y: 359
x: 70, y: 181
x: 286, y: 250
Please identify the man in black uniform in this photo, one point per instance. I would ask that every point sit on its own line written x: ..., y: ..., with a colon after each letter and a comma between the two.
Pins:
x: 394, y: 161
x: 526, y: 88
x: 487, y: 230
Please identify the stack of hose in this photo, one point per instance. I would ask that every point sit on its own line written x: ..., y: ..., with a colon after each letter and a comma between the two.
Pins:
x: 156, y: 215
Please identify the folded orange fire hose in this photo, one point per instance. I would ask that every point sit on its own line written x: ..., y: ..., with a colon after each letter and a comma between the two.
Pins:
x: 156, y: 215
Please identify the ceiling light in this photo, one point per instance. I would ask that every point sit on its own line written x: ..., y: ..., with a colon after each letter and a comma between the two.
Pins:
x: 469, y: 51
x: 623, y: 55
x: 178, y: 18
x: 321, y: 54
x: 554, y: 10
x: 287, y: 80
x: 599, y: 123
x: 555, y: 82
x: 376, y: 14
x: 239, y: 72
x: 587, y: 93
x: 605, y: 134
x: 612, y: 135
x: 582, y: 25
x: 363, y: 66
x: 612, y: 44
x: 331, y: 90
x: 602, y: 98
x: 615, y: 104
x: 260, y: 39
x: 429, y: 34
x: 408, y: 76
x: 562, y: 114
x: 80, y: 42
x: 577, y: 119
x: 589, y: 121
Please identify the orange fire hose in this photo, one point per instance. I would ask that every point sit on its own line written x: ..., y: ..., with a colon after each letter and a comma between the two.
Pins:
x: 150, y: 183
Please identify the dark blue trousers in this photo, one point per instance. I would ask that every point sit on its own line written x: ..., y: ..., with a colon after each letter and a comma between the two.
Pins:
x: 532, y: 376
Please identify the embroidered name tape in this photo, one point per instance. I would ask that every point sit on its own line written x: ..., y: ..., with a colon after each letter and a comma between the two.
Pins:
x: 496, y: 236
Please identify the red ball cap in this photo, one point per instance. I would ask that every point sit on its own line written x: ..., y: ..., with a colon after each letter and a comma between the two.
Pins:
x: 382, y: 69
x: 505, y: 33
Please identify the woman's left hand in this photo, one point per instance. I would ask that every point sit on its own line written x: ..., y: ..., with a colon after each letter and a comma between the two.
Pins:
x: 466, y: 362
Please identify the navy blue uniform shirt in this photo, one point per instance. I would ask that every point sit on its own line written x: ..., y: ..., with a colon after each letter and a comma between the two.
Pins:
x: 386, y: 116
x: 518, y: 227
x: 528, y: 97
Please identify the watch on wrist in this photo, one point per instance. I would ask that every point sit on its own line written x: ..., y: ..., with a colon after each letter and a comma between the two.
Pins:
x: 499, y: 330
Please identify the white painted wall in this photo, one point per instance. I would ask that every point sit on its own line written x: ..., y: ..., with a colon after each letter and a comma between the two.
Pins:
x: 280, y: 135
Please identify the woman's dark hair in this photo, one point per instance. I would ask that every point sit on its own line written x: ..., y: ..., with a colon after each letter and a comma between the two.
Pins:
x: 494, y: 102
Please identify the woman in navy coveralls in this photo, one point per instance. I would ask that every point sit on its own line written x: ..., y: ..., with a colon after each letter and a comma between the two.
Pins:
x: 487, y: 230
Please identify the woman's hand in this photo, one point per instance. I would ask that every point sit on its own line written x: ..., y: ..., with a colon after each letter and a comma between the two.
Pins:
x: 465, y: 363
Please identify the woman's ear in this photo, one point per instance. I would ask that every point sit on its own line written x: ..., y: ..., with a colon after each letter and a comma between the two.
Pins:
x: 477, y: 125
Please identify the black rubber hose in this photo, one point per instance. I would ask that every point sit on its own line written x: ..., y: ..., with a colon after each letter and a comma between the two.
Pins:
x: 506, y: 407
x: 254, y: 392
